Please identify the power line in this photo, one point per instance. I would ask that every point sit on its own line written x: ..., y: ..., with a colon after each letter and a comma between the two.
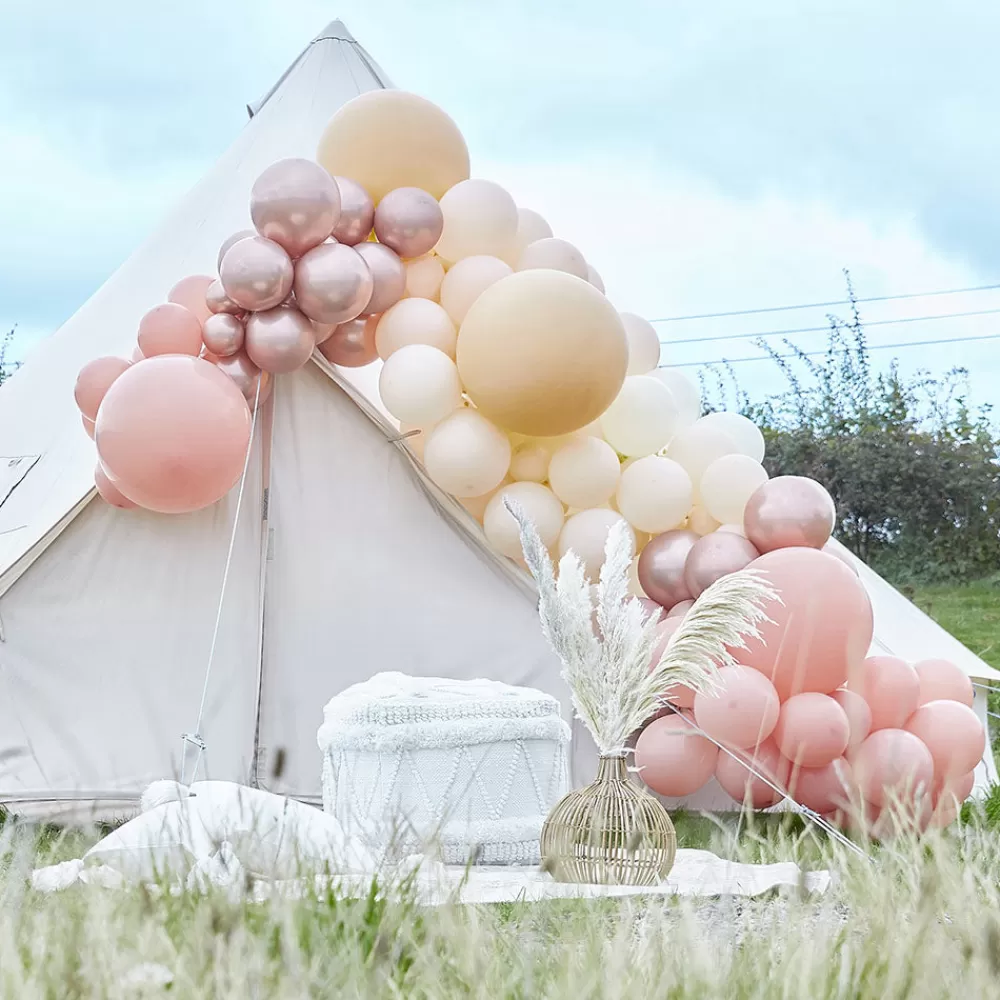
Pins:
x: 821, y: 329
x: 824, y: 305
x: 809, y: 354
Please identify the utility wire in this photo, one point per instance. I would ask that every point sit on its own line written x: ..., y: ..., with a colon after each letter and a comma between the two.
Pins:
x: 824, y: 305
x: 821, y: 329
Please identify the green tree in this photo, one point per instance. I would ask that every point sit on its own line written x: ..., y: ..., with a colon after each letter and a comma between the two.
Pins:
x: 6, y: 367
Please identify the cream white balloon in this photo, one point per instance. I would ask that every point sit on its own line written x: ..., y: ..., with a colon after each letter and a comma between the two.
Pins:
x: 586, y: 534
x: 643, y: 344
x: 420, y: 385
x: 698, y: 445
x: 594, y: 278
x: 634, y: 586
x: 584, y: 472
x: 744, y: 432
x: 466, y: 455
x: 529, y: 462
x: 727, y: 485
x: 415, y: 321
x: 553, y: 254
x: 424, y: 276
x: 642, y: 419
x: 480, y: 217
x: 531, y: 227
x: 467, y: 280
x: 539, y: 505
x: 687, y: 396
x: 654, y: 494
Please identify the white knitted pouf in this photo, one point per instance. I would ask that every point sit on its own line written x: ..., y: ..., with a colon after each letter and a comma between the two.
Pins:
x: 471, y: 768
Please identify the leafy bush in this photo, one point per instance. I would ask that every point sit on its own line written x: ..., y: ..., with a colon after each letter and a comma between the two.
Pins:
x: 6, y: 367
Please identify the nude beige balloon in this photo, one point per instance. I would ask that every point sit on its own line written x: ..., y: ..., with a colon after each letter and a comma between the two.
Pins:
x: 467, y: 280
x: 279, y: 340
x: 256, y: 273
x: 424, y: 276
x: 386, y: 139
x: 296, y: 203
x: 530, y: 228
x: 388, y: 276
x: 357, y: 213
x: 415, y: 321
x: 351, y: 344
x: 542, y: 353
x: 480, y: 217
x: 466, y: 455
x: 332, y: 283
x: 555, y: 254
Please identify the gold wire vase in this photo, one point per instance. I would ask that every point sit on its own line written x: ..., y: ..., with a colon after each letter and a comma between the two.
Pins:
x: 611, y: 832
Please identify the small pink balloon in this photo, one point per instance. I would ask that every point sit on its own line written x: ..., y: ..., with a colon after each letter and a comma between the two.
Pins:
x: 672, y: 758
x: 169, y: 329
x: 409, y: 221
x: 893, y: 763
x: 742, y: 712
x: 93, y: 382
x: 243, y: 234
x: 680, y: 609
x: 333, y: 284
x: 254, y: 384
x: 715, y: 556
x: 652, y: 609
x: 859, y: 715
x: 218, y: 302
x: 352, y: 344
x: 891, y: 688
x: 823, y: 789
x: 279, y: 340
x: 296, y: 203
x: 109, y: 492
x: 388, y: 276
x: 89, y: 426
x: 191, y: 293
x: 943, y: 680
x: 137, y: 355
x: 661, y: 567
x: 738, y: 783
x: 955, y: 789
x: 222, y: 334
x: 789, y: 511
x: 357, y: 213
x: 256, y: 274
x: 664, y: 630
x: 680, y: 695
x: 173, y: 433
x: 812, y: 730
x: 953, y: 734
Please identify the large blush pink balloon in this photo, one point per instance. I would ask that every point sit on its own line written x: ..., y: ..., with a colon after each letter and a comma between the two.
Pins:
x: 279, y: 340
x: 296, y: 203
x: 744, y: 710
x: 738, y: 783
x: 672, y: 758
x: 953, y: 734
x: 893, y: 763
x: 822, y: 789
x: 812, y: 730
x: 787, y: 511
x: 388, y: 276
x: 859, y: 715
x: 352, y: 344
x: 169, y: 329
x: 172, y: 434
x: 254, y: 384
x: 256, y: 274
x: 661, y: 567
x: 891, y: 688
x: 93, y: 382
x: 942, y: 679
x: 357, y: 213
x: 821, y: 630
x: 333, y: 284
x: 110, y: 493
x: 191, y: 292
x: 715, y: 556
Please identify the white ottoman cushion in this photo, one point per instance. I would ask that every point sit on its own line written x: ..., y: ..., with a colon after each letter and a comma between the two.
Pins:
x: 473, y: 767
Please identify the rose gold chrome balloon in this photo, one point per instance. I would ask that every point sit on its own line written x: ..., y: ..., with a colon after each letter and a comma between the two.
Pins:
x: 661, y: 567
x: 279, y: 340
x: 243, y: 234
x: 715, y: 556
x: 296, y: 203
x: 388, y: 274
x: 332, y: 283
x: 409, y: 221
x: 222, y: 334
x: 256, y: 274
x: 218, y: 301
x: 357, y: 213
x: 352, y: 344
x: 246, y: 374
x: 789, y: 511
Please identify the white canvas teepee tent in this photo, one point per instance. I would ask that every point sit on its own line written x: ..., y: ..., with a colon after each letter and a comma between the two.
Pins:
x: 345, y: 560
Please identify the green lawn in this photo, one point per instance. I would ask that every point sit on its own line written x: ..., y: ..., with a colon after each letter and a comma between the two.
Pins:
x: 971, y: 614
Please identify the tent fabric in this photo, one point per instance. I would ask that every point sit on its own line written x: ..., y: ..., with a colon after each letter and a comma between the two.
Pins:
x: 347, y: 561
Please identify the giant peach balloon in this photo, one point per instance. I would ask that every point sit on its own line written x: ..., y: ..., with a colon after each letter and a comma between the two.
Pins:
x: 296, y: 203
x: 584, y: 472
x: 820, y: 631
x: 386, y: 139
x: 698, y: 445
x: 727, y: 484
x: 859, y: 715
x: 674, y: 759
x: 661, y: 567
x: 892, y: 689
x: 538, y: 503
x: 110, y: 493
x: 742, y: 712
x: 93, y: 382
x: 357, y: 213
x: 654, y: 494
x: 191, y: 293
x: 173, y: 433
x: 893, y: 764
x: 586, y: 534
x: 641, y: 419
x: 256, y: 274
x: 419, y: 385
x: 812, y: 729
x: 953, y: 734
x: 542, y: 353
x: 742, y: 430
x: 169, y: 328
x: 352, y: 344
x: 643, y: 345
x: 467, y: 280
x: 555, y: 255
x: 409, y: 221
x: 254, y: 384
x: 741, y: 784
x: 789, y: 511
x: 388, y: 276
x: 940, y: 679
x: 414, y: 321
x: 687, y: 395
x: 279, y: 340
x: 531, y: 227
x: 424, y: 277
x: 715, y: 556
x: 480, y: 217
x: 466, y: 455
x: 333, y: 284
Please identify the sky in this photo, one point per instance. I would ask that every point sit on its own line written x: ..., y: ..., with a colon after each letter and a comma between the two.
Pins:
x: 705, y: 157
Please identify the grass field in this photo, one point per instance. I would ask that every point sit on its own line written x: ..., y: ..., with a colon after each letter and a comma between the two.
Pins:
x: 971, y: 614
